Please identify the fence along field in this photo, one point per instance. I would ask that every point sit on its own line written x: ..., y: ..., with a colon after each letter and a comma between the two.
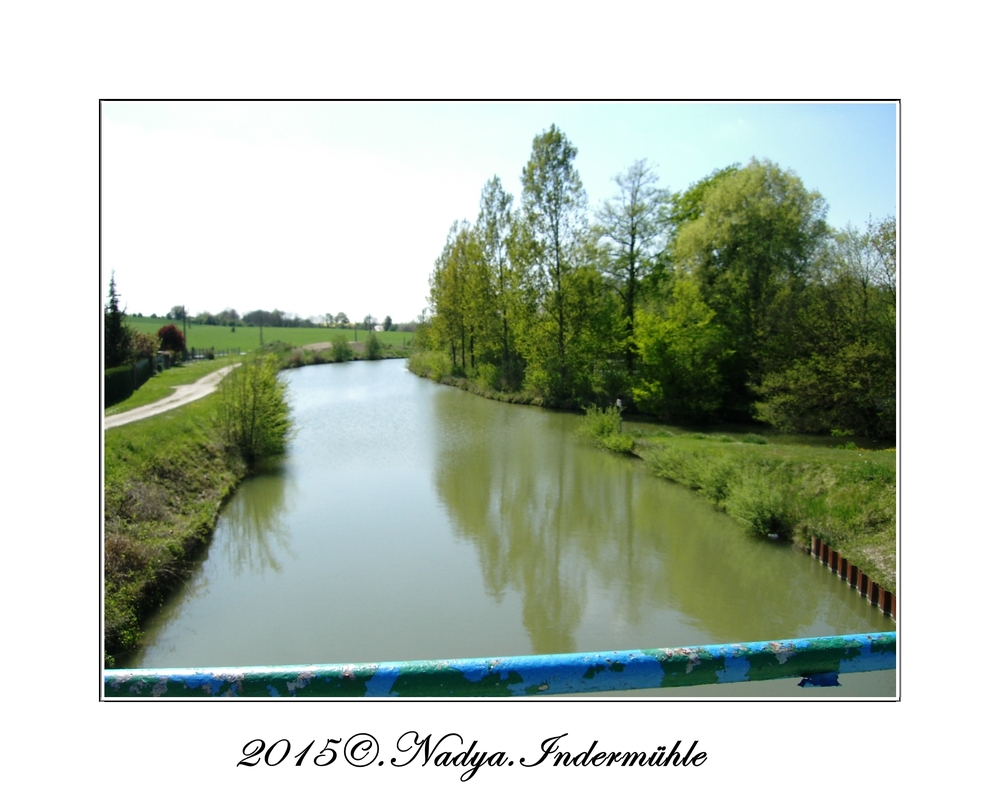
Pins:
x: 247, y: 338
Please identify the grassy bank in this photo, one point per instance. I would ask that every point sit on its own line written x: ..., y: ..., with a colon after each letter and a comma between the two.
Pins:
x: 846, y: 497
x: 339, y: 350
x: 165, y: 479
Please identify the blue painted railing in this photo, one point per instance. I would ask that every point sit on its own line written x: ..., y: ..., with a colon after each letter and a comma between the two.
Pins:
x: 817, y: 660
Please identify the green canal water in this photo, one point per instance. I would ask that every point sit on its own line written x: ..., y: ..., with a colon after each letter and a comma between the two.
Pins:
x: 411, y: 520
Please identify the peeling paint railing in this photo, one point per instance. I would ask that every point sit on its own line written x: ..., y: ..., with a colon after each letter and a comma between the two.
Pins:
x: 817, y: 660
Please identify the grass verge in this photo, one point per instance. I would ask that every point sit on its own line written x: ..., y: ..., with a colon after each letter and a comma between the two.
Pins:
x: 847, y: 498
x: 338, y: 350
x: 165, y: 480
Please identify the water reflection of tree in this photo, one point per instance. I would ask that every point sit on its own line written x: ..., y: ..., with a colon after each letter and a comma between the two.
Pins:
x: 252, y: 528
x: 547, y: 516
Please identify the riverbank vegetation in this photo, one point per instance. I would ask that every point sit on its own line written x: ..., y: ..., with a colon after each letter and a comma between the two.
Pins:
x: 603, y: 427
x: 165, y: 480
x: 844, y: 495
x: 730, y: 301
x: 337, y: 348
x: 254, y: 417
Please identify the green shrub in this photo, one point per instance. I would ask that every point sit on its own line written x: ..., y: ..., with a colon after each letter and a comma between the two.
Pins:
x: 757, y: 503
x: 373, y: 348
x: 753, y: 439
x: 341, y: 350
x: 141, y: 345
x: 488, y: 377
x: 603, y: 428
x: 599, y: 423
x: 430, y: 364
x: 618, y: 443
x: 254, y: 414
x: 717, y: 477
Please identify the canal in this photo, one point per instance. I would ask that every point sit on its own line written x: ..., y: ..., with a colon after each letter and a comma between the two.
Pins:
x: 411, y: 520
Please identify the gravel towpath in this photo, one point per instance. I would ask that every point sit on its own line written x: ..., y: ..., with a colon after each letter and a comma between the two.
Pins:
x: 182, y: 394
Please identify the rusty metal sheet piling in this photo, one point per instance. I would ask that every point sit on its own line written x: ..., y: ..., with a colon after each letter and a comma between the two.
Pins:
x: 542, y: 674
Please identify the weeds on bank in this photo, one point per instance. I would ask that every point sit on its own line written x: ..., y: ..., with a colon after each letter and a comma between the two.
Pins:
x: 603, y: 427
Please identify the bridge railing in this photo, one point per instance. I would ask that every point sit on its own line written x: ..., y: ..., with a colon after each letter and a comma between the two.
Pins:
x: 816, y: 660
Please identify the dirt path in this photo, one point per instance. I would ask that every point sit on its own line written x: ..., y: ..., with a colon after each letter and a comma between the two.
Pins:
x: 327, y: 345
x: 182, y: 394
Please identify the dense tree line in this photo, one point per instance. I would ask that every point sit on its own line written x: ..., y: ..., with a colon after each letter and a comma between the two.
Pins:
x: 733, y: 300
x: 279, y: 319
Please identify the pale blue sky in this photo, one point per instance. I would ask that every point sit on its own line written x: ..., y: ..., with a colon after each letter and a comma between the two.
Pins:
x: 328, y: 207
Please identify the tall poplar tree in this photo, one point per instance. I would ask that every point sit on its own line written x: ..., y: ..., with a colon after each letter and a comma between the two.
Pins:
x: 494, y: 231
x: 555, y: 207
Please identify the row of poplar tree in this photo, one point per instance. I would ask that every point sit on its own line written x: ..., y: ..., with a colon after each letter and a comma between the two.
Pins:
x: 733, y: 300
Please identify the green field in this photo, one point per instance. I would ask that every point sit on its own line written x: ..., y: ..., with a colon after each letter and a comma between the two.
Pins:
x: 246, y: 338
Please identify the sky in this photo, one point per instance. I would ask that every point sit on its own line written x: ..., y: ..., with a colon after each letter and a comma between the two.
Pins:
x: 327, y: 207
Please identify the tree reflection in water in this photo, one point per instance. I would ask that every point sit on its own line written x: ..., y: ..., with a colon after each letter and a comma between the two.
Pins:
x: 569, y: 527
x: 251, y: 529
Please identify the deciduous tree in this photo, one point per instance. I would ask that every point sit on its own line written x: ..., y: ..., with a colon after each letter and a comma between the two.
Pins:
x: 494, y: 231
x: 843, y: 373
x: 632, y: 226
x: 555, y: 207
x: 750, y: 250
x: 681, y: 349
x: 254, y: 413
x: 171, y: 338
